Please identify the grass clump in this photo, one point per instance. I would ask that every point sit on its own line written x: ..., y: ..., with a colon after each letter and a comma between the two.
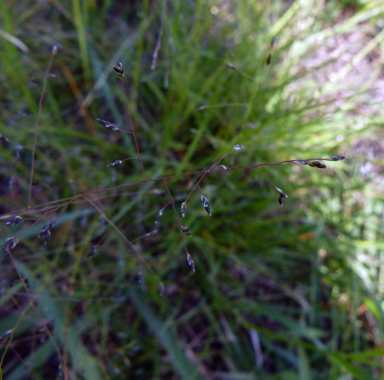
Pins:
x: 163, y: 252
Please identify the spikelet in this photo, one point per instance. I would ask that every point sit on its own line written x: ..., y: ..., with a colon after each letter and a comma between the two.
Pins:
x: 92, y: 251
x: 9, y: 244
x: 282, y: 196
x: 186, y: 230
x: 183, y: 209
x: 205, y: 203
x: 119, y: 70
x: 114, y: 163
x: 158, y: 216
x: 107, y: 124
x: 191, y: 262
x: 317, y: 164
x: 14, y: 221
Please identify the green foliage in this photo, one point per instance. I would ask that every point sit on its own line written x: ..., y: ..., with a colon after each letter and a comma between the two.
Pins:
x: 278, y: 293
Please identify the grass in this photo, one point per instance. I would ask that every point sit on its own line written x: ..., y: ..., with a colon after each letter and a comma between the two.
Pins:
x: 291, y: 292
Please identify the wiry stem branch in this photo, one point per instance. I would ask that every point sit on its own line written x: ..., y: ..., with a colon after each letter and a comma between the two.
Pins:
x: 54, y: 52
x: 133, y: 129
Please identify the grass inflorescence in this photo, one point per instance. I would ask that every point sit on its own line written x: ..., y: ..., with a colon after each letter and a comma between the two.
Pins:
x: 144, y: 167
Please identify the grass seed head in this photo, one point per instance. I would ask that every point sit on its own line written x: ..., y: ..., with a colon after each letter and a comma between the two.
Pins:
x: 107, y: 124
x: 191, y: 262
x: 119, y: 70
x: 9, y: 244
x: 14, y: 221
x: 335, y: 158
x: 158, y: 216
x: 183, y: 209
x: 205, y: 203
x: 317, y: 164
x: 114, y: 163
x: 186, y: 230
x: 92, y: 251
x: 281, y: 192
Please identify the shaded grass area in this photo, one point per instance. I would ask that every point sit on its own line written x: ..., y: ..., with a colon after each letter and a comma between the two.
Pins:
x: 278, y: 293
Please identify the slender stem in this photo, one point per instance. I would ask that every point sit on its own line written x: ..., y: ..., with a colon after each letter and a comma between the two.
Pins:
x: 266, y: 178
x: 198, y: 183
x: 133, y: 129
x: 44, y: 205
x: 177, y: 217
x: 54, y: 50
x: 123, y: 236
x: 25, y: 364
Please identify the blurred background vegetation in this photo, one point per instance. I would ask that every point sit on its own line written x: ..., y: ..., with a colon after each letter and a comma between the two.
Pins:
x: 293, y: 292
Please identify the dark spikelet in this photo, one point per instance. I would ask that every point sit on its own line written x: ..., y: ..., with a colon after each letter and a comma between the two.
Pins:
x: 191, y: 262
x: 61, y: 376
x: 107, y: 124
x: 119, y: 70
x: 158, y: 216
x: 317, y: 164
x: 186, y: 230
x: 335, y: 158
x: 92, y: 251
x: 161, y: 289
x: 281, y: 192
x: 4, y: 139
x: 205, y: 203
x: 153, y: 232
x: 269, y: 59
x: 281, y: 200
x: 14, y: 221
x: 46, y: 231
x: 9, y: 244
x: 6, y: 334
x: 140, y: 278
x: 114, y: 163
x: 183, y: 209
